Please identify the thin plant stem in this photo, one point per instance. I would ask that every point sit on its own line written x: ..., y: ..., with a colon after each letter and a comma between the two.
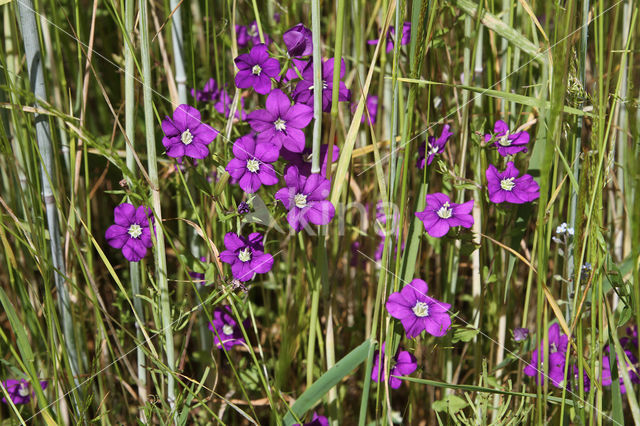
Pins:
x: 161, y: 260
x: 134, y: 267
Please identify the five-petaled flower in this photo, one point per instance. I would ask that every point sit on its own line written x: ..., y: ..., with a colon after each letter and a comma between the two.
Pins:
x: 298, y: 40
x: 441, y: 213
x: 251, y: 166
x: 304, y: 89
x: 256, y: 69
x: 419, y: 312
x: 305, y: 198
x: 402, y: 364
x: 281, y: 123
x: 186, y: 134
x: 226, y: 331
x: 131, y: 231
x: 20, y: 391
x: 246, y: 255
x: 506, y: 142
x: 507, y: 186
x: 433, y: 146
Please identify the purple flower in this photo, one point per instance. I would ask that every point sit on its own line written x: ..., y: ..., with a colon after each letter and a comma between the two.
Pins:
x: 131, y: 231
x: 316, y: 421
x: 246, y: 255
x: 441, y: 213
x: 302, y: 160
x: 557, y: 347
x: 555, y: 368
x: 186, y: 135
x: 371, y: 107
x: 223, y: 106
x: 298, y: 41
x: 607, y: 378
x: 507, y: 186
x: 256, y: 69
x: 402, y: 364
x: 304, y: 89
x: 244, y: 35
x: 226, y: 331
x: 281, y: 123
x: 507, y: 144
x: 520, y: 334
x: 432, y: 147
x: 573, y: 380
x: 250, y: 168
x: 419, y: 312
x: 20, y: 391
x: 406, y: 36
x: 305, y: 198
x: 209, y: 92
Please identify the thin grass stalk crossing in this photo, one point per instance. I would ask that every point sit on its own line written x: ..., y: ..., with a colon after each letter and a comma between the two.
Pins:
x: 134, y: 267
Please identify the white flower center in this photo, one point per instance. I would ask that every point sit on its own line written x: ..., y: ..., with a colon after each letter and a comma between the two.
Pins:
x: 253, y: 165
x: 507, y: 184
x: 445, y: 211
x: 421, y: 309
x: 227, y: 330
x: 245, y: 255
x: 432, y: 150
x: 23, y: 390
x: 256, y: 70
x: 504, y: 140
x: 300, y: 200
x: 135, y: 230
x: 186, y: 137
x: 280, y: 124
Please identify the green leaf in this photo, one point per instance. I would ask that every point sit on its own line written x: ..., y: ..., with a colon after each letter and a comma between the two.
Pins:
x: 328, y: 380
x: 451, y: 404
x: 464, y: 334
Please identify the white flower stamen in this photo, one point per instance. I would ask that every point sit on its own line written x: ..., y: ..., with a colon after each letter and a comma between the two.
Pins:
x: 421, y: 309
x: 245, y: 255
x: 445, y: 211
x: 23, y: 390
x: 256, y: 70
x: 280, y: 124
x: 300, y: 200
x: 227, y: 330
x: 507, y: 184
x: 433, y: 150
x: 186, y: 137
x: 253, y: 165
x: 504, y: 140
x: 135, y: 231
